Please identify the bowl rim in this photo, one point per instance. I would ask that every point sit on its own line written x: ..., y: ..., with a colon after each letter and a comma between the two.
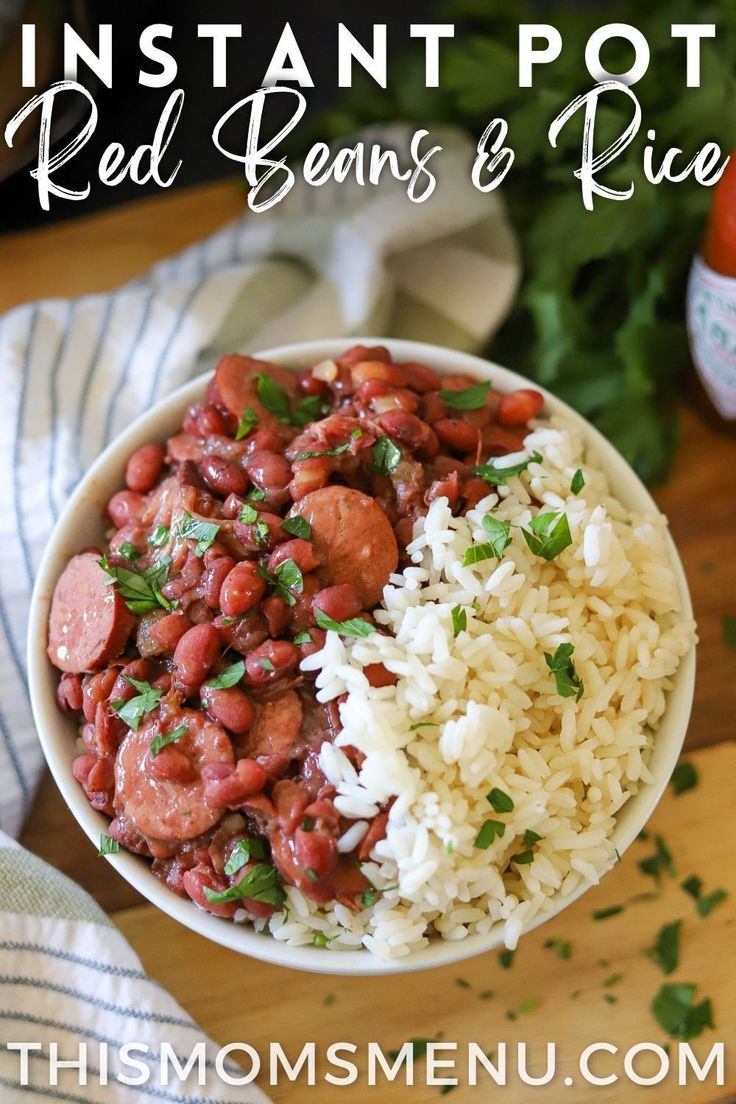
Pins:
x: 106, y: 471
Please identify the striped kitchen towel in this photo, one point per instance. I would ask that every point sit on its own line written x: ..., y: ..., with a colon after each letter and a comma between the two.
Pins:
x: 338, y: 260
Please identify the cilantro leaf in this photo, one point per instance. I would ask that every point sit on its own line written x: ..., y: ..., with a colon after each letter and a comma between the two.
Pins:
x: 496, y: 473
x: 261, y: 883
x: 297, y: 526
x: 158, y: 743
x: 129, y: 552
x: 231, y: 676
x: 355, y: 626
x: 308, y: 408
x: 523, y: 858
x: 468, y: 398
x: 567, y: 680
x: 248, y: 422
x: 477, y: 553
x: 548, y: 535
x: 386, y: 456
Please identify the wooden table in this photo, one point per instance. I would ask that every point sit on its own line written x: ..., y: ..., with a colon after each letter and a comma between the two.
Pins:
x: 244, y: 1000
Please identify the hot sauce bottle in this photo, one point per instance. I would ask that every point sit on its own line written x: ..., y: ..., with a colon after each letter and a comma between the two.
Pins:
x: 711, y: 304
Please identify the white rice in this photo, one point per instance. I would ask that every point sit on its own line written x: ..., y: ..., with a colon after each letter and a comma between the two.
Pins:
x: 490, y: 712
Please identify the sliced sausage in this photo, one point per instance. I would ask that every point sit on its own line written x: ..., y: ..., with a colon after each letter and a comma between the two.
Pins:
x: 276, y: 728
x: 89, y: 622
x: 166, y: 808
x: 237, y: 386
x: 353, y: 539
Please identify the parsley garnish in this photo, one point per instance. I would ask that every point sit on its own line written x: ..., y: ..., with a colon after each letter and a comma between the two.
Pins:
x: 530, y: 837
x: 159, y: 537
x: 311, y: 873
x: 248, y: 422
x: 692, y: 886
x: 684, y: 778
x: 676, y: 1013
x: 665, y: 951
x: 523, y: 858
x: 492, y: 473
x: 266, y: 664
x: 287, y: 581
x: 355, y: 626
x: 459, y: 620
x: 158, y: 743
x: 297, y: 526
x: 108, y: 845
x: 248, y: 514
x: 203, y: 532
x: 490, y: 830
x: 308, y: 408
x: 567, y: 680
x: 255, y: 494
x: 141, y: 591
x: 322, y: 940
x: 261, y: 883
x: 337, y: 451
x: 469, y: 398
x: 302, y: 638
x: 386, y: 456
x: 499, y: 538
x: 661, y: 860
x: 242, y: 853
x: 261, y: 532
x: 500, y: 801
x: 273, y: 397
x: 548, y: 535
x: 578, y: 482
x: 132, y: 710
x: 231, y: 676
x: 129, y: 552
x: 706, y: 904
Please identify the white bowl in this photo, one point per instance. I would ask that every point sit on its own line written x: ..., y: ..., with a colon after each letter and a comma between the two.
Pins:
x: 81, y: 524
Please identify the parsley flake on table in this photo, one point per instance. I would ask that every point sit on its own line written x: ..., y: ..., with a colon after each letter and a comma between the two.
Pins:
x: 506, y: 958
x: 567, y: 680
x: 606, y: 913
x: 676, y: 1012
x: 665, y: 951
x: 706, y: 904
x: 660, y: 861
x: 133, y: 709
x: 467, y: 398
x: 684, y: 777
x: 562, y: 948
x: 158, y: 743
x: 692, y: 886
x: 548, y: 535
x: 729, y: 630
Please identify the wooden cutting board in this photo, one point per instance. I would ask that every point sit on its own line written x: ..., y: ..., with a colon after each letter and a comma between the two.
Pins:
x: 237, y: 999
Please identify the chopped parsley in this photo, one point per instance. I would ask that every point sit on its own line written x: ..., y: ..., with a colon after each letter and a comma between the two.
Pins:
x: 141, y: 591
x: 231, y: 676
x: 459, y: 620
x: 248, y: 422
x: 605, y: 913
x: 523, y: 858
x: 562, y: 948
x: 261, y: 883
x: 468, y: 398
x: 248, y: 514
x: 499, y: 538
x: 273, y: 397
x: 491, y: 830
x: 577, y: 482
x: 297, y: 526
x: 158, y: 743
x: 242, y: 853
x: 530, y: 837
x: 610, y: 998
x: 506, y: 958
x: 676, y: 1013
x: 302, y: 638
x: 567, y: 680
x: 548, y: 535
x: 355, y: 626
x: 159, y: 537
x: 328, y: 999
x: 133, y: 710
x: 463, y: 983
x: 611, y: 980
x: 661, y: 860
x: 386, y: 456
x: 261, y: 532
x: 255, y: 494
x: 287, y: 581
x: 129, y: 552
x: 499, y: 801
x: 196, y: 529
x: 665, y: 951
x: 307, y: 409
x: 322, y: 940
x: 265, y: 664
x: 477, y: 553
x: 729, y: 630
x: 337, y: 451
x: 705, y: 905
x: 493, y: 473
x: 108, y: 845
x: 693, y: 886
x: 684, y: 778
x: 311, y: 873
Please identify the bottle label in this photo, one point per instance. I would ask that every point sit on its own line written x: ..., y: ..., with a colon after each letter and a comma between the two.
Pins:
x: 711, y: 323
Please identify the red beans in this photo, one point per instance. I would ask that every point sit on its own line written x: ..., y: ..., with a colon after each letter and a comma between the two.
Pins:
x: 268, y: 470
x: 300, y: 551
x: 144, y: 468
x: 409, y: 430
x: 227, y: 784
x: 338, y: 602
x: 171, y: 765
x: 276, y: 612
x: 242, y: 589
x: 195, y: 881
x: 169, y: 629
x: 270, y: 660
x: 378, y: 675
x: 121, y: 689
x: 316, y: 644
x: 230, y: 706
x: 214, y: 577
x: 516, y: 408
x: 195, y: 654
x: 456, y: 434
x: 222, y: 476
x: 371, y: 389
x: 421, y: 378
x: 69, y: 693
x: 205, y: 421
x: 96, y: 689
x: 309, y: 475
x: 309, y: 384
x: 315, y: 851
x: 124, y: 507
